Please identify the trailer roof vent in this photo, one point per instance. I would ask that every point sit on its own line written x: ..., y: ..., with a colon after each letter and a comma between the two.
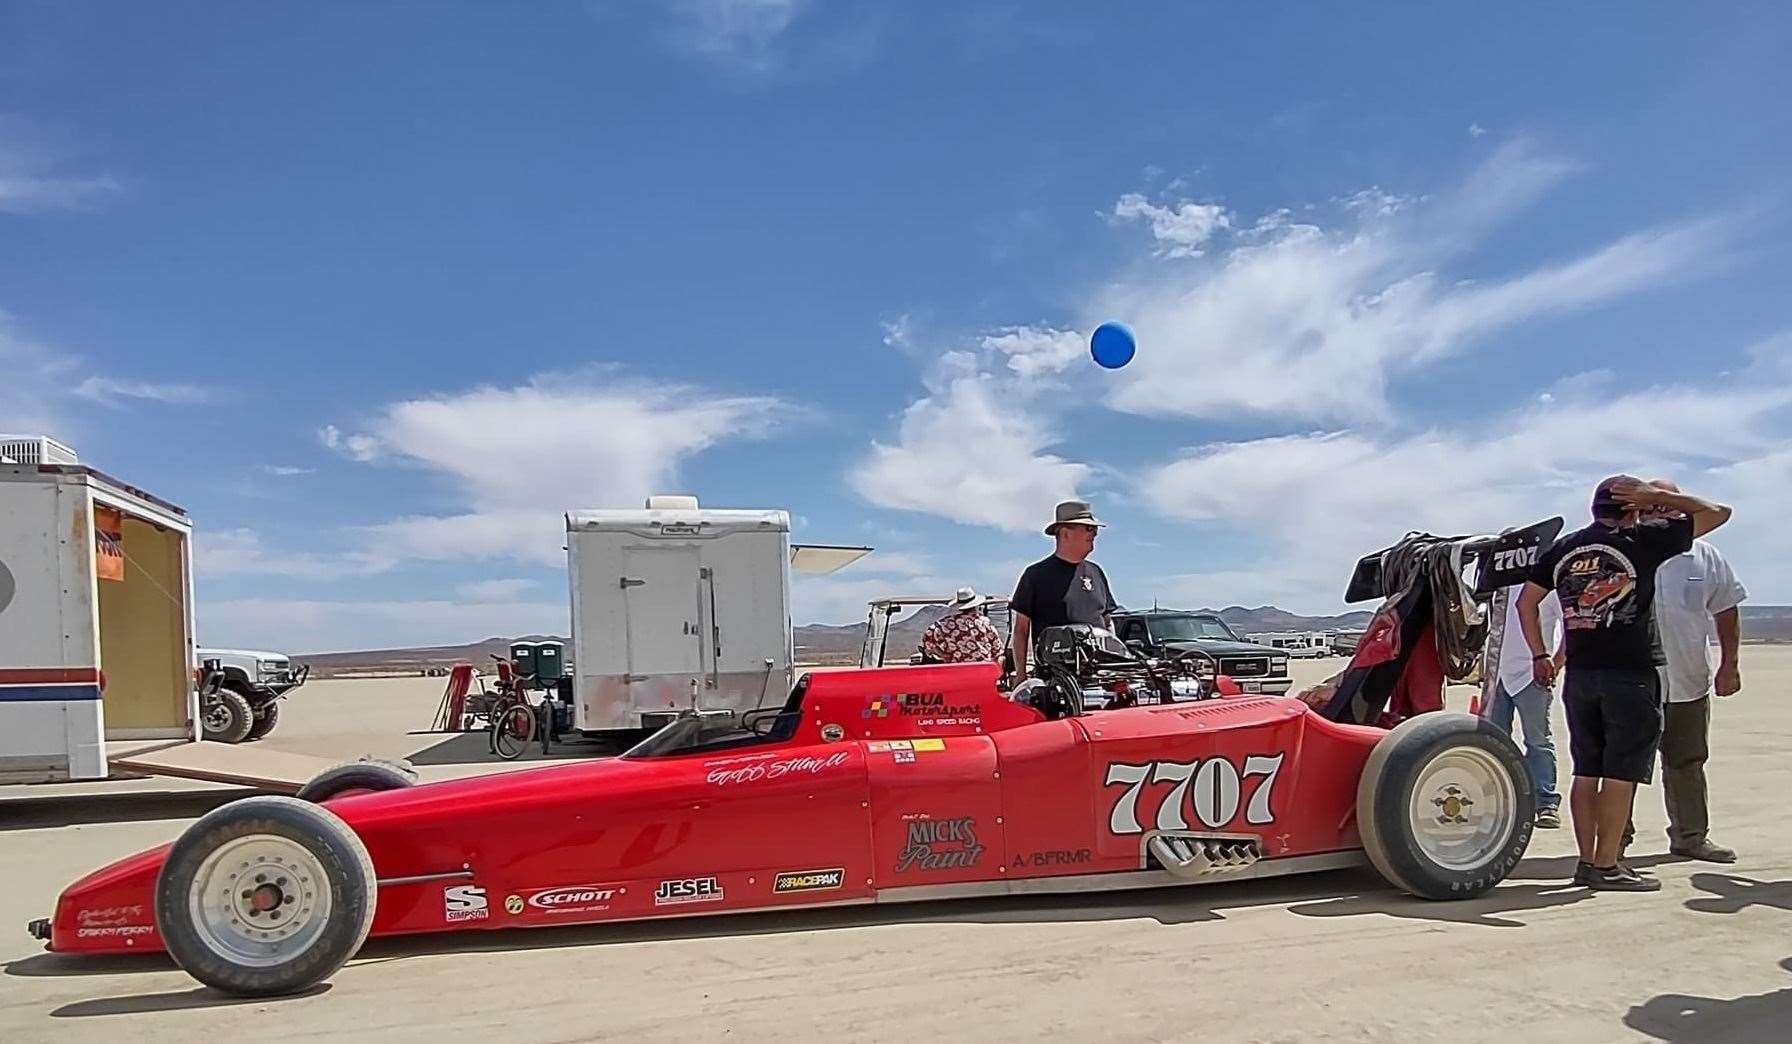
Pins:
x: 671, y: 502
x: 35, y: 449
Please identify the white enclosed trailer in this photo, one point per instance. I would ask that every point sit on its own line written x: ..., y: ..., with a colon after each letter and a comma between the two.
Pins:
x: 97, y: 664
x: 678, y: 608
x: 87, y: 661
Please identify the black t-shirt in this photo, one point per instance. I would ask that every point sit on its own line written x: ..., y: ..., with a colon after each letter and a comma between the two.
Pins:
x: 1053, y: 592
x: 1605, y: 578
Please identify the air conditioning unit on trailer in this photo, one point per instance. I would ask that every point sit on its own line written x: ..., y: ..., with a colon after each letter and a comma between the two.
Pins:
x: 35, y: 449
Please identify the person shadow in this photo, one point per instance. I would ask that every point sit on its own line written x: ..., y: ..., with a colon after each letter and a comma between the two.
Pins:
x: 1732, y: 894
x: 1758, y: 1018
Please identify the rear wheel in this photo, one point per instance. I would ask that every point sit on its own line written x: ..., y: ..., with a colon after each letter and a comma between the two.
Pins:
x: 1445, y: 806
x: 265, y: 720
x: 227, y: 717
x: 358, y: 777
x: 512, y: 730
x: 266, y: 895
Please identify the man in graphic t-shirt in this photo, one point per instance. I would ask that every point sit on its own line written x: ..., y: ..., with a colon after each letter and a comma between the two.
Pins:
x: 1604, y: 576
x: 1062, y: 588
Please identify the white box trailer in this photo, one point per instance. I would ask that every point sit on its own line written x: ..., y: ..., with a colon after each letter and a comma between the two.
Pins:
x: 97, y: 663
x: 678, y: 608
x: 87, y: 661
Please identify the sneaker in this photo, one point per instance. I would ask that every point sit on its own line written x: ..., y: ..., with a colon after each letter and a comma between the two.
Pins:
x: 1549, y: 819
x: 1620, y: 879
x: 1583, y: 872
x: 1705, y: 850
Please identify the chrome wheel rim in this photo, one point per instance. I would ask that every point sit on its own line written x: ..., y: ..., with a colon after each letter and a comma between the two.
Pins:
x: 1463, y: 808
x: 260, y: 900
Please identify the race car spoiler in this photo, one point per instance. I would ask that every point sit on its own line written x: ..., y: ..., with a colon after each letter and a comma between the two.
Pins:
x: 1500, y: 561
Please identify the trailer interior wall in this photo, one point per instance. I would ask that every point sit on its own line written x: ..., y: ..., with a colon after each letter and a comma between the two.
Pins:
x: 143, y: 643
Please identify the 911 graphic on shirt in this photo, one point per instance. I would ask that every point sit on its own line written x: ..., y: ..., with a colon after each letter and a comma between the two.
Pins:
x: 1213, y: 789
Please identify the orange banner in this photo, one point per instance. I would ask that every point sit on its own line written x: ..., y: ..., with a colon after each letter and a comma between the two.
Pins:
x: 108, y: 543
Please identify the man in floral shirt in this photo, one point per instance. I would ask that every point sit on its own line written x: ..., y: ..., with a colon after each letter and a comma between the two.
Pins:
x: 963, y: 635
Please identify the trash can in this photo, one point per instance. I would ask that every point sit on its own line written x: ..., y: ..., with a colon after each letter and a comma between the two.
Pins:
x: 523, y: 655
x: 550, y: 662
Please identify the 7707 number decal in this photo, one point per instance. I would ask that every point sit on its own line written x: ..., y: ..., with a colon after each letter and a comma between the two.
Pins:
x: 1213, y: 788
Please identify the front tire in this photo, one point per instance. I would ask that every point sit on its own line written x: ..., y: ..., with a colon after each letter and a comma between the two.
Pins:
x: 1445, y: 806
x: 228, y: 717
x: 265, y: 720
x: 265, y: 896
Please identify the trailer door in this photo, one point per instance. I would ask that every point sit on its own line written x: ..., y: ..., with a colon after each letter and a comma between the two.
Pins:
x: 660, y: 590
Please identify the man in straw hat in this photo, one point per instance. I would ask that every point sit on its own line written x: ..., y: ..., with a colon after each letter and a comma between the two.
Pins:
x: 1064, y: 587
x: 963, y: 635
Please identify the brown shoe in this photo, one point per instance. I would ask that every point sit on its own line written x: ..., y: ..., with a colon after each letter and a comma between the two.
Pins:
x: 1705, y: 850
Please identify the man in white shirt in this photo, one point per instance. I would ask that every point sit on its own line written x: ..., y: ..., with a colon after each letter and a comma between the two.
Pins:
x: 1508, y: 684
x: 1696, y: 599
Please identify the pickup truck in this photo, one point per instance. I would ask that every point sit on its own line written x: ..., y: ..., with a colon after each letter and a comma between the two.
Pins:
x: 247, y: 705
x: 1171, y: 633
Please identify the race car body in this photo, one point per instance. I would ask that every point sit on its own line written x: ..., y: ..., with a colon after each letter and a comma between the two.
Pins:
x: 892, y: 784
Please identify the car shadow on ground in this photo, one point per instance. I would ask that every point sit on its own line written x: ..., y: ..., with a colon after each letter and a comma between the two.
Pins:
x: 38, y: 813
x: 1732, y: 894
x: 474, y: 748
x: 1759, y: 1018
x: 174, y: 1000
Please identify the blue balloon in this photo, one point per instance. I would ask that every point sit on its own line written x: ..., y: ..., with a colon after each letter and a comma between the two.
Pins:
x: 1112, y: 345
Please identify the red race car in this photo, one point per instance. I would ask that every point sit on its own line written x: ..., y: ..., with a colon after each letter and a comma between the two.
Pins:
x: 868, y: 786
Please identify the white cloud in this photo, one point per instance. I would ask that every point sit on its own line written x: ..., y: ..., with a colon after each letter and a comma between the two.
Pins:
x: 1300, y: 322
x: 743, y: 34
x: 1475, y: 130
x: 302, y: 626
x: 969, y: 452
x: 608, y: 442
x: 505, y: 590
x: 1181, y: 227
x: 31, y: 178
x: 284, y: 470
x: 1036, y: 351
x: 1316, y: 502
x: 241, y: 552
x: 108, y: 391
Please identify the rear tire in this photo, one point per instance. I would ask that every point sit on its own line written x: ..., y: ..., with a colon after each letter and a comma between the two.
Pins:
x: 228, y: 718
x: 264, y: 896
x: 265, y: 720
x: 356, y: 777
x: 1445, y: 806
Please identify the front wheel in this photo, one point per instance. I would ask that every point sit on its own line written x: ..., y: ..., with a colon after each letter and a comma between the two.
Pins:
x: 1445, y: 806
x: 264, y: 896
x: 227, y: 717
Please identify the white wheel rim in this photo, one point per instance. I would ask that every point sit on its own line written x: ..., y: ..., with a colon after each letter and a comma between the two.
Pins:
x: 1463, y: 808
x: 260, y: 900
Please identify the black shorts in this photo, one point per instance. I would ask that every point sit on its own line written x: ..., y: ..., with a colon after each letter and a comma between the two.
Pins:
x: 1614, y: 721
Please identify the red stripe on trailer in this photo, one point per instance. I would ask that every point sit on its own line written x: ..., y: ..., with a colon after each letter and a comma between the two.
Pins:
x: 48, y: 675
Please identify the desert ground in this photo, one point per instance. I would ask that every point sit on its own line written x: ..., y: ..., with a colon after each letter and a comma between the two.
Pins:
x: 1337, y: 956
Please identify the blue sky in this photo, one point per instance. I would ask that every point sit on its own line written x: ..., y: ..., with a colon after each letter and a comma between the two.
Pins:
x: 378, y: 291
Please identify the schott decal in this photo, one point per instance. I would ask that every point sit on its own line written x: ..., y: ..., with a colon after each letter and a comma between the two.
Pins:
x: 1212, y: 788
x: 777, y: 769
x: 940, y: 844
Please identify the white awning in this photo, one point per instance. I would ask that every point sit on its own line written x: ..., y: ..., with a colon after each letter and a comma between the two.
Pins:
x: 820, y: 559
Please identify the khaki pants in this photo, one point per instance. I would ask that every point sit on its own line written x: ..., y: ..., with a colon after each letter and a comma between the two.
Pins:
x: 1685, y: 746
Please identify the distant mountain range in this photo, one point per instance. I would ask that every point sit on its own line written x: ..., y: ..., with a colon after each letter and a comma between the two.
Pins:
x: 840, y: 643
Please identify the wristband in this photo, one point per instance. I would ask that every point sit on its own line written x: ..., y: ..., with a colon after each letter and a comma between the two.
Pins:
x: 1542, y: 656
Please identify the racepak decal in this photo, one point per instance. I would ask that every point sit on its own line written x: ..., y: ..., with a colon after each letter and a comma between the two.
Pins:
x: 809, y: 880
x: 1213, y: 789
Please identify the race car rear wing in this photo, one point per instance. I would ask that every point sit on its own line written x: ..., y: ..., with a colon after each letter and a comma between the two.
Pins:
x: 1499, y: 561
